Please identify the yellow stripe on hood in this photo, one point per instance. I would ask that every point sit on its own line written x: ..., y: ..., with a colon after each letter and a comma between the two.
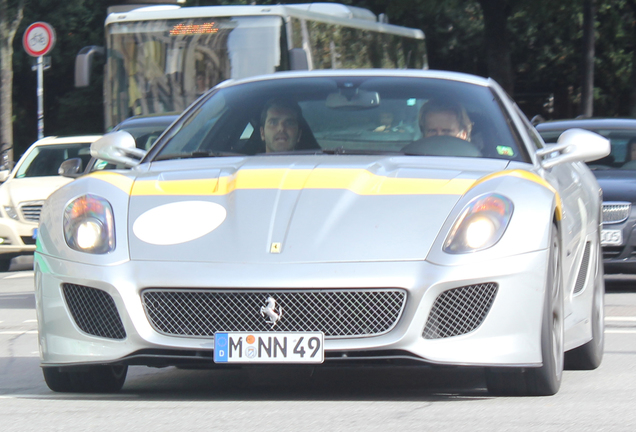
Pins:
x: 359, y: 181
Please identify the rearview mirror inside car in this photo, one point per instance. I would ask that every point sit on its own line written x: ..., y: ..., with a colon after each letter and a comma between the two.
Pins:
x: 353, y: 99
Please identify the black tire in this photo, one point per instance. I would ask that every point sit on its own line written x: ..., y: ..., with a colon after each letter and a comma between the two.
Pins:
x: 5, y: 264
x: 590, y: 355
x: 544, y: 380
x: 92, y: 379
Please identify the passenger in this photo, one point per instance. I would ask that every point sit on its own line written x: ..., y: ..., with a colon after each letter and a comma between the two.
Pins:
x: 386, y: 122
x: 280, y: 125
x: 444, y: 118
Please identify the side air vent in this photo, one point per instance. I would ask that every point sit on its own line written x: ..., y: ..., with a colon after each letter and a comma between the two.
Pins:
x: 585, y: 263
x: 94, y: 311
x: 459, y: 310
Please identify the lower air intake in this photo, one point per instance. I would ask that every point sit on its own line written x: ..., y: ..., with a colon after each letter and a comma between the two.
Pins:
x: 459, y: 310
x: 94, y: 311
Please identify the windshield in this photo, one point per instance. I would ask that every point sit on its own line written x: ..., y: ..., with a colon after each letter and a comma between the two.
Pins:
x: 344, y: 115
x: 159, y: 66
x: 46, y: 160
x: 623, y: 148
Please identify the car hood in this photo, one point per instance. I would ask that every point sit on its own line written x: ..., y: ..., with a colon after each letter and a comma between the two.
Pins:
x: 21, y: 190
x: 285, y: 209
x: 617, y: 185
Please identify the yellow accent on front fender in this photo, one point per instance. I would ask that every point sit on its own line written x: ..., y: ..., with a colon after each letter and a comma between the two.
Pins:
x: 120, y: 181
x: 530, y: 176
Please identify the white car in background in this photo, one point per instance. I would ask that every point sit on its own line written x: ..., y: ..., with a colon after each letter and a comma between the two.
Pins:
x: 26, y: 187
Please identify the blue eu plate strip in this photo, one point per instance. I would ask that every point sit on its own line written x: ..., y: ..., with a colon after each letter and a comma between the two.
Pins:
x: 220, y: 347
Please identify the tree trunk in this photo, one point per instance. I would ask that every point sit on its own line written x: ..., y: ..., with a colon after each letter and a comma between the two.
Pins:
x: 587, y: 87
x: 496, y: 14
x: 7, y: 33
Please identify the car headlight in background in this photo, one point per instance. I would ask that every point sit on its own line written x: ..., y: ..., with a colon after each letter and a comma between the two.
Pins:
x: 10, y: 211
x: 480, y: 225
x: 89, y: 225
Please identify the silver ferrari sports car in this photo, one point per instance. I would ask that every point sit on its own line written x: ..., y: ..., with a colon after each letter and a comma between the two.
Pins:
x: 327, y: 219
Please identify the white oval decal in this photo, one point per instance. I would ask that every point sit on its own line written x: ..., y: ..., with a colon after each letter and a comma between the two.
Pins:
x: 178, y: 222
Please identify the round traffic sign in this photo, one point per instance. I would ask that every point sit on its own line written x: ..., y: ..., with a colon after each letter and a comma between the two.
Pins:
x: 38, y: 39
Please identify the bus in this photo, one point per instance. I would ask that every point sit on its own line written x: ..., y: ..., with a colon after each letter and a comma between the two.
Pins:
x: 162, y: 58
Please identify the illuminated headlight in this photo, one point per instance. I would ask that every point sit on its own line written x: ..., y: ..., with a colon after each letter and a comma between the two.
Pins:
x: 89, y: 225
x: 481, y: 224
x: 10, y: 211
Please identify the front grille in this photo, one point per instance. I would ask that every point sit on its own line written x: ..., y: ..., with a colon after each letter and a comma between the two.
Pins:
x: 580, y: 279
x: 337, y: 313
x: 612, y: 252
x: 459, y: 310
x: 94, y: 311
x: 31, y: 210
x: 616, y: 212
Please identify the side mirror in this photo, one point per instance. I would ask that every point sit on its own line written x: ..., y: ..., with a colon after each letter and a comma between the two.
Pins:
x: 298, y: 59
x: 84, y: 64
x: 574, y: 145
x: 71, y: 168
x: 118, y: 148
x: 4, y: 175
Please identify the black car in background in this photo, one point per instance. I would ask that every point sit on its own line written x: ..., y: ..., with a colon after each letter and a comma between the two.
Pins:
x: 616, y: 174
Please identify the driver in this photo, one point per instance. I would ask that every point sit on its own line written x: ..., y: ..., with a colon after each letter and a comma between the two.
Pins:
x: 280, y: 125
x: 444, y: 118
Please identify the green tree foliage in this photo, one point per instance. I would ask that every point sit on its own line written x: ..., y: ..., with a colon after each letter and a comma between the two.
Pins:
x: 67, y: 110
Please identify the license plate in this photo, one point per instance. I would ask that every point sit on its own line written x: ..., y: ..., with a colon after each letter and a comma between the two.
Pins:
x: 269, y: 347
x: 611, y: 237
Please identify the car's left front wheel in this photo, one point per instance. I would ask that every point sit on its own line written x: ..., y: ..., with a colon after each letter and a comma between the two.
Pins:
x: 92, y: 379
x: 544, y: 380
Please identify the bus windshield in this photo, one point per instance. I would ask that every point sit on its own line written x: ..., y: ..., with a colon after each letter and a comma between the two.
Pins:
x: 158, y: 66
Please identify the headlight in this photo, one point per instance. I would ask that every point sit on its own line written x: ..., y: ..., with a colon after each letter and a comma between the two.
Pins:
x: 89, y: 225
x: 480, y: 225
x: 10, y: 211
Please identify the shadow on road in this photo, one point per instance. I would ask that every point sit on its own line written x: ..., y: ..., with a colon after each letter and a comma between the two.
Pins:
x: 266, y: 384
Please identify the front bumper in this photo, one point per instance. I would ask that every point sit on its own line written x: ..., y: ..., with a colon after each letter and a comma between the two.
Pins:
x: 509, y: 335
x: 16, y: 237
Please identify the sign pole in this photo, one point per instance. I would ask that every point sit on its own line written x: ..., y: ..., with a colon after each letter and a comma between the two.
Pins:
x: 40, y: 93
x: 38, y: 40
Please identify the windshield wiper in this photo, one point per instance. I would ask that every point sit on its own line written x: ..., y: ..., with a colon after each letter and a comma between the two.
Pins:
x: 344, y: 151
x: 197, y: 154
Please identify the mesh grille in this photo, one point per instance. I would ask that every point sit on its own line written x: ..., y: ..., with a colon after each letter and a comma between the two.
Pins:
x: 31, y: 211
x: 94, y: 311
x: 459, y: 310
x: 580, y: 279
x: 337, y: 313
x: 616, y: 212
